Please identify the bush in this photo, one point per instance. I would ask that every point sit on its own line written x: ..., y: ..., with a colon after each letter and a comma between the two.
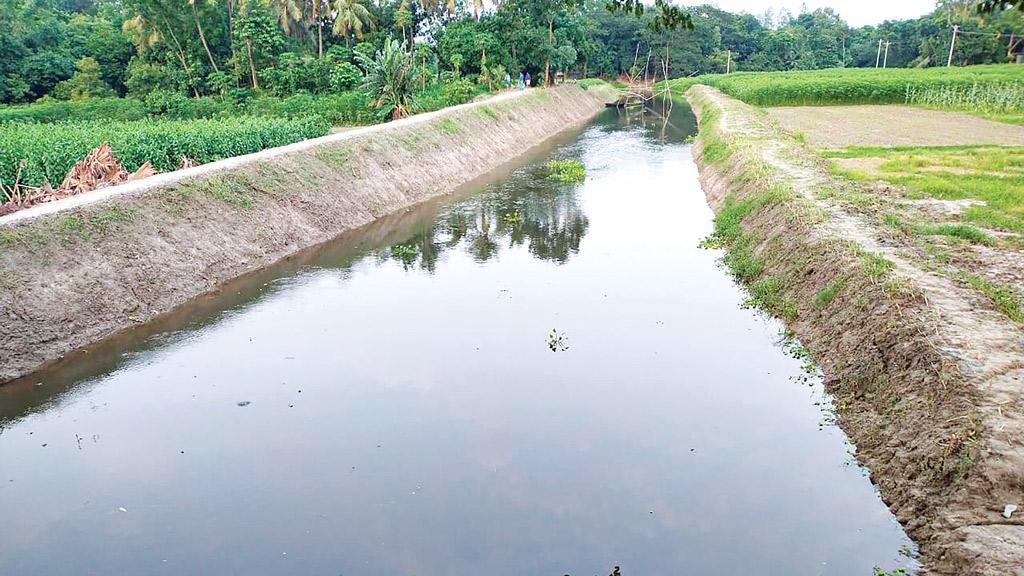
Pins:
x: 50, y: 150
x: 86, y: 83
x: 458, y: 91
x: 48, y: 110
x: 144, y: 78
x: 345, y: 77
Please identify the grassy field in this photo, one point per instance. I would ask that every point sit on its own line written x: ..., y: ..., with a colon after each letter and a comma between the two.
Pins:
x: 995, y: 91
x: 993, y: 175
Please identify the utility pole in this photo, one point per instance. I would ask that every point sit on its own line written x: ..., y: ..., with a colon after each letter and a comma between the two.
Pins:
x: 952, y: 44
x: 844, y: 52
x: 728, y: 63
x: 885, y: 60
x: 878, y: 57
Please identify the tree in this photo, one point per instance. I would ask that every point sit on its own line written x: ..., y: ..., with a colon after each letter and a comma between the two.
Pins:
x: 352, y: 18
x: 86, y: 83
x: 289, y: 14
x: 391, y: 79
x: 547, y: 10
x: 202, y: 36
x: 256, y: 32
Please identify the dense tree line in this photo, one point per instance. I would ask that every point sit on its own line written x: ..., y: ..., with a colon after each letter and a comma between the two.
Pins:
x: 72, y: 49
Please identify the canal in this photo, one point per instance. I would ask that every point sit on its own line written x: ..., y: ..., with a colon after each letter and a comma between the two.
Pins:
x: 528, y: 377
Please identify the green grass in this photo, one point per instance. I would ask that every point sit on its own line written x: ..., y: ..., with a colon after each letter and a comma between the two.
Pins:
x: 1005, y: 298
x: 768, y: 295
x: 875, y: 266
x: 997, y: 86
x: 570, y: 170
x: 826, y: 295
x: 991, y: 174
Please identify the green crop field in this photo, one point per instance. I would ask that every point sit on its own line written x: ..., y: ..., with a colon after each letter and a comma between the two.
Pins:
x: 50, y: 150
x: 997, y: 88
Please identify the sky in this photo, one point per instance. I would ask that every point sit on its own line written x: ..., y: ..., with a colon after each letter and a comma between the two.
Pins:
x: 855, y: 12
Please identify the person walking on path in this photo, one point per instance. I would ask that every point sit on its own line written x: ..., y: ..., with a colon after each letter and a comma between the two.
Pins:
x: 522, y: 82
x: 527, y: 79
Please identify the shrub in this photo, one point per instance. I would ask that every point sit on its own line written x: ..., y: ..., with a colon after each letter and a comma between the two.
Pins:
x: 345, y: 77
x: 86, y: 82
x: 144, y: 78
x: 458, y: 91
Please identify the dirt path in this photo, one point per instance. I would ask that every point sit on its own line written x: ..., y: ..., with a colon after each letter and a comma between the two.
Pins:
x: 960, y: 526
x: 839, y: 126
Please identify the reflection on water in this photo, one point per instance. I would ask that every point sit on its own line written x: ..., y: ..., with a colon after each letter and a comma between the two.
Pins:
x: 528, y: 378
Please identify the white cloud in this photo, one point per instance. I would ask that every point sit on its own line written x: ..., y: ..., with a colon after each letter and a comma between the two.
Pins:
x: 856, y: 13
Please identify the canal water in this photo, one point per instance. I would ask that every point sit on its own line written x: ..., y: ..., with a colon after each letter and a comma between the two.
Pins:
x: 529, y: 377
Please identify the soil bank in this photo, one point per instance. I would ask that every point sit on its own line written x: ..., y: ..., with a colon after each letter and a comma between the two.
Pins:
x: 72, y: 276
x: 927, y: 385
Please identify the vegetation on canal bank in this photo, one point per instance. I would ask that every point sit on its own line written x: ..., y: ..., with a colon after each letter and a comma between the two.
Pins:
x: 989, y: 90
x: 867, y: 311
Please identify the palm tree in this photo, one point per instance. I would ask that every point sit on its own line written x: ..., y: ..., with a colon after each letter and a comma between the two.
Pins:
x: 288, y: 13
x: 352, y: 17
x: 317, y: 6
x: 144, y: 34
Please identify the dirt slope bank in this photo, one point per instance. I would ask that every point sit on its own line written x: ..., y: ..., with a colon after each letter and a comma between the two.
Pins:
x: 71, y: 278
x: 927, y: 386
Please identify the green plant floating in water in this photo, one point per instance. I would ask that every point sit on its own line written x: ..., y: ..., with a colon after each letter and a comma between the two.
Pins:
x: 566, y: 170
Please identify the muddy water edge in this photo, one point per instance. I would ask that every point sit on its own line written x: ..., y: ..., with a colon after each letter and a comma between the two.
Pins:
x: 530, y: 377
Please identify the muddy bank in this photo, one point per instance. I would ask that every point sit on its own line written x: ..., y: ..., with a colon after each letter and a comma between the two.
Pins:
x: 72, y: 277
x: 926, y: 385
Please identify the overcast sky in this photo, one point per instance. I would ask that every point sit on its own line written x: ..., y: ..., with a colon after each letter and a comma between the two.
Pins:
x: 855, y: 12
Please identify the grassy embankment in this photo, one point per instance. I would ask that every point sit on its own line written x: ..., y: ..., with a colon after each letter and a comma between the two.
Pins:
x: 988, y: 181
x: 903, y: 403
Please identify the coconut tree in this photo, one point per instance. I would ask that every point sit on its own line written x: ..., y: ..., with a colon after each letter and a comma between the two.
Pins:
x: 143, y: 32
x: 288, y: 13
x: 352, y: 17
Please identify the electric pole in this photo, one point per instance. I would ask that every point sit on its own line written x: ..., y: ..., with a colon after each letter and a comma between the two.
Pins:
x: 952, y: 44
x: 728, y: 63
x: 878, y: 57
x: 844, y: 52
x: 885, y: 59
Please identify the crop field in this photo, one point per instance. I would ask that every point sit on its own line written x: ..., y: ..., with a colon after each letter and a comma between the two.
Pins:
x: 50, y: 150
x: 989, y: 90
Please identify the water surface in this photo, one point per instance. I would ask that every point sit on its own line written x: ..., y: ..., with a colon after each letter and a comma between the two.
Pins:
x: 529, y: 378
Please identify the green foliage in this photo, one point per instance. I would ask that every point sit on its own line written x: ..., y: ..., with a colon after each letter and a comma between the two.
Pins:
x: 86, y: 83
x: 992, y: 174
x: 51, y: 150
x: 865, y: 86
x: 346, y: 76
x: 458, y: 91
x: 144, y: 77
x: 569, y: 170
x: 390, y: 81
x: 1006, y: 299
